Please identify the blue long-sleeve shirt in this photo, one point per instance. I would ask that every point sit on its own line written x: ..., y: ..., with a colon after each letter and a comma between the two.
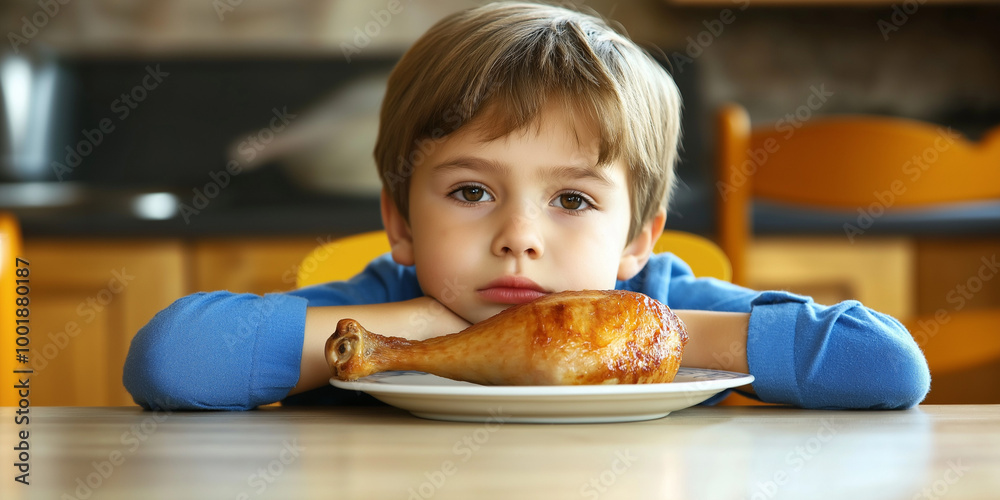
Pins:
x: 223, y: 350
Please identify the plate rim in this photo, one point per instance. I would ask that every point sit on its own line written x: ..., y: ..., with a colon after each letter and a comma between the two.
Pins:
x: 733, y: 379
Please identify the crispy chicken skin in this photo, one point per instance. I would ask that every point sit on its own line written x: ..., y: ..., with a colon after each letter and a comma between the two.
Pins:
x: 566, y: 338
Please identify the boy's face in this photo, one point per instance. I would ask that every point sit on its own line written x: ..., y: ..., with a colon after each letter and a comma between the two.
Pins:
x: 496, y: 223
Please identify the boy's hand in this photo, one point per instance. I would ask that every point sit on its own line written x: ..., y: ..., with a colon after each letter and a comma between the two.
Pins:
x: 429, y: 318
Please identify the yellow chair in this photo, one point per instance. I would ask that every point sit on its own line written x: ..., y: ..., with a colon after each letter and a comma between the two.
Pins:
x: 875, y: 164
x: 10, y: 249
x: 706, y: 259
x: 351, y: 254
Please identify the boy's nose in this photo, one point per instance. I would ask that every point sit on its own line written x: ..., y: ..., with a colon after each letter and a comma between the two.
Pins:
x: 518, y: 236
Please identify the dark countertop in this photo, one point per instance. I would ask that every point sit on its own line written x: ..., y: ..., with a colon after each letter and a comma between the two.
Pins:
x: 966, y: 219
x: 272, y: 208
x: 268, y: 205
x: 337, y: 216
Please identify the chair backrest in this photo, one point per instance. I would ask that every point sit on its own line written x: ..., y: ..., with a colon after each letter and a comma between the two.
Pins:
x: 706, y: 259
x: 340, y: 259
x: 10, y: 249
x: 846, y: 162
x: 343, y: 258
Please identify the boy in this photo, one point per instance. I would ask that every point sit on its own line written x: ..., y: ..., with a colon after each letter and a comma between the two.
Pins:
x: 524, y: 150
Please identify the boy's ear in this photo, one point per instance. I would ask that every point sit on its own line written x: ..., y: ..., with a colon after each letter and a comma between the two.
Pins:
x: 398, y: 231
x: 637, y: 252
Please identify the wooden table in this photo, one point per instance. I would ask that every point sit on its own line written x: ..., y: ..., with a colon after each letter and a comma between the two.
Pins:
x: 380, y: 452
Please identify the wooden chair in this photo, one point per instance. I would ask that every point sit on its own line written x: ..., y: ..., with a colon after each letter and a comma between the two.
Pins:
x: 352, y: 253
x: 872, y: 164
x: 10, y: 249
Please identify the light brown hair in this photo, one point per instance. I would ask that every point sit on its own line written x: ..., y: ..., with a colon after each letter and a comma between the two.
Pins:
x: 509, y: 59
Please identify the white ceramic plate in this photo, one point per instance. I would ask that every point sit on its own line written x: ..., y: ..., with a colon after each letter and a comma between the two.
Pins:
x: 438, y: 398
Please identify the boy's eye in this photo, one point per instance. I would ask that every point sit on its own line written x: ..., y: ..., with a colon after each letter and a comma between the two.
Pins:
x: 573, y: 201
x: 471, y: 194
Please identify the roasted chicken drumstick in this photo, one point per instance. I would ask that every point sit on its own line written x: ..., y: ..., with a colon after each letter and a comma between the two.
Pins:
x: 567, y: 338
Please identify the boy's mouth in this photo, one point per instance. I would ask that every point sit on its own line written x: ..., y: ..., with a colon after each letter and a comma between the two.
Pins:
x: 511, y: 290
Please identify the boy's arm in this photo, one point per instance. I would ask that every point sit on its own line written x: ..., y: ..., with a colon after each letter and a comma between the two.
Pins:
x: 716, y: 340
x: 799, y: 352
x: 217, y: 350
x: 230, y: 351
x: 415, y: 319
x: 810, y: 355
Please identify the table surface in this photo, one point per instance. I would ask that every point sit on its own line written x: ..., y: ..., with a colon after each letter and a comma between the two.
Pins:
x: 382, y: 452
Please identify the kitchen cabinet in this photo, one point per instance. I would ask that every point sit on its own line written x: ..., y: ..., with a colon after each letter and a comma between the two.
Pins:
x: 88, y: 298
x: 880, y: 272
x: 249, y: 265
x: 958, y: 274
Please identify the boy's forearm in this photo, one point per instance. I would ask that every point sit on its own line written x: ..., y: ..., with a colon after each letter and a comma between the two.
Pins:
x: 415, y: 319
x: 716, y: 340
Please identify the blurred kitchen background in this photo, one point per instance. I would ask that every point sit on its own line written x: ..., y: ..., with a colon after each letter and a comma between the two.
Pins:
x: 210, y: 145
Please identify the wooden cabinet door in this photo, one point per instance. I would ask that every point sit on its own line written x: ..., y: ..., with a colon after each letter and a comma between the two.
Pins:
x: 878, y: 272
x: 88, y: 299
x: 247, y: 265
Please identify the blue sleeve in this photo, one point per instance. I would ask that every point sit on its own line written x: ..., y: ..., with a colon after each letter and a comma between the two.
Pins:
x: 802, y: 353
x: 217, y: 350
x: 230, y: 351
